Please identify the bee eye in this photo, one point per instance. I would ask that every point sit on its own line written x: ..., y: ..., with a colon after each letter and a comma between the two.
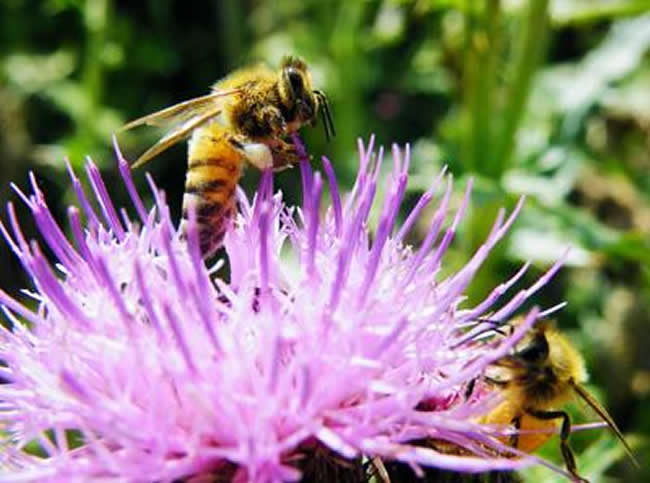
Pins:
x: 295, y: 80
x: 536, y: 351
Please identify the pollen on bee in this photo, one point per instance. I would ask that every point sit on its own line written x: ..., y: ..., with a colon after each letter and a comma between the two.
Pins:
x: 259, y: 155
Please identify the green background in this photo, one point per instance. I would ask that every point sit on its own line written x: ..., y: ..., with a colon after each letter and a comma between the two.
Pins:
x: 545, y: 98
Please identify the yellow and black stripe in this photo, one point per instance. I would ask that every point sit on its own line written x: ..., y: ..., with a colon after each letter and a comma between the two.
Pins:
x: 215, y: 162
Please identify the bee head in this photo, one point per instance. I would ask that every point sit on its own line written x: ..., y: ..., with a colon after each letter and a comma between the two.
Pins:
x: 300, y: 102
x: 536, y: 351
x: 532, y: 355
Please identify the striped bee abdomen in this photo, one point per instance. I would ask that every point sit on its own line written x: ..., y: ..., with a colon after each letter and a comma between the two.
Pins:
x: 214, y: 167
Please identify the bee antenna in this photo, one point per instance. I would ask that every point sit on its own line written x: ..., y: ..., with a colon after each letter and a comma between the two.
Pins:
x: 326, y: 115
x: 496, y: 327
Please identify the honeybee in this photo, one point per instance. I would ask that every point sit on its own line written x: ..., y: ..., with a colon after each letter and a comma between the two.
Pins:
x: 544, y: 373
x: 247, y: 118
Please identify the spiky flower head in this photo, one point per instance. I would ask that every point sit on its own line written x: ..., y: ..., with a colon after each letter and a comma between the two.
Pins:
x: 140, y: 363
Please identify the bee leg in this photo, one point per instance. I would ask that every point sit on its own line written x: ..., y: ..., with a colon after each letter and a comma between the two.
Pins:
x: 378, y: 470
x: 469, y: 390
x: 284, y: 155
x: 471, y: 385
x: 271, y: 117
x: 257, y: 154
x: 514, y: 438
x: 496, y: 382
x: 565, y: 430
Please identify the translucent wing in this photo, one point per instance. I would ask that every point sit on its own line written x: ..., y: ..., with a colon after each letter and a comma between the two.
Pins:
x: 177, y: 134
x: 183, y: 117
x: 602, y: 412
x: 182, y: 111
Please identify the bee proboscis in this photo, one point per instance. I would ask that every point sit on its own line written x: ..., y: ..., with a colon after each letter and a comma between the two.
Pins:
x: 248, y: 118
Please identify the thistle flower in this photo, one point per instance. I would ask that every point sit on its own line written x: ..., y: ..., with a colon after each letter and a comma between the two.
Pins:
x: 142, y: 364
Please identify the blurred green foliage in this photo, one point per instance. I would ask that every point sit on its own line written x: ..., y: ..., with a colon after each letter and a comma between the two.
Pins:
x: 545, y: 98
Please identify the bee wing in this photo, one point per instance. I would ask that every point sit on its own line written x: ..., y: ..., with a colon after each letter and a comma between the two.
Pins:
x: 177, y: 134
x: 602, y: 412
x: 180, y: 112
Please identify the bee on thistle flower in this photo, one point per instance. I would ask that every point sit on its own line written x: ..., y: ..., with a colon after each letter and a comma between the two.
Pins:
x: 329, y: 346
x: 248, y: 117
